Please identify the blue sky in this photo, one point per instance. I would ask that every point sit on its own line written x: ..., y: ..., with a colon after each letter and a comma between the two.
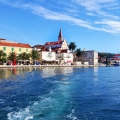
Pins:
x: 91, y: 24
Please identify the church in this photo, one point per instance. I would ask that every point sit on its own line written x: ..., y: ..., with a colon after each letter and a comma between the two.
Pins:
x: 56, y: 51
x: 58, y: 46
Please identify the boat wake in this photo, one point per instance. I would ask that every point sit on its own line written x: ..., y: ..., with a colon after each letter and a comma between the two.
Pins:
x: 48, y: 107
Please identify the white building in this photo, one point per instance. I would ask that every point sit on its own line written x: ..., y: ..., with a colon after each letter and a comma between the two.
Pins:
x: 91, y: 57
x: 65, y: 58
x: 47, y: 56
x: 57, y: 51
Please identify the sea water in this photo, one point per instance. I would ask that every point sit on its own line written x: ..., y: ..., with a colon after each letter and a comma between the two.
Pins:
x: 60, y: 93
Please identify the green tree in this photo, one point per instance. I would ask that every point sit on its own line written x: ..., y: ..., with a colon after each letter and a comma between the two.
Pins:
x: 24, y: 56
x: 78, y: 53
x: 11, y: 56
x: 2, y: 56
x: 72, y: 46
x: 100, y: 56
x: 105, y: 55
x: 34, y: 55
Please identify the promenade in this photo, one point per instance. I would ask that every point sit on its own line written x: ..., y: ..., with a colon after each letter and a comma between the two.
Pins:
x: 19, y: 66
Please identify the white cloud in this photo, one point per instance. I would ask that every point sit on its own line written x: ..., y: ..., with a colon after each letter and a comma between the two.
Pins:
x: 90, y: 14
x: 93, y: 6
x: 99, y: 6
x: 48, y: 14
x: 112, y: 26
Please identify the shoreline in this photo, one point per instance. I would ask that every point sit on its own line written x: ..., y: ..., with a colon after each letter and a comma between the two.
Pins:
x: 22, y: 66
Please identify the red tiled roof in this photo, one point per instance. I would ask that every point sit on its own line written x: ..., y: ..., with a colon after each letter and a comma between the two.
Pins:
x: 45, y: 49
x: 15, y: 44
x: 53, y: 43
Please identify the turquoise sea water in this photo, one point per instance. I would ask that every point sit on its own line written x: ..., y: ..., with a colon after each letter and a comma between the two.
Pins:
x: 60, y: 93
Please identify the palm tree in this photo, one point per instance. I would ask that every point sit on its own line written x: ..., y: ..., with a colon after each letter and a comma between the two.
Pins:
x: 78, y: 53
x: 72, y: 46
x: 34, y: 55
x: 2, y: 56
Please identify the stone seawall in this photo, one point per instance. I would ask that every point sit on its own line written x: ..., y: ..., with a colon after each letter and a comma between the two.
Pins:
x: 19, y: 66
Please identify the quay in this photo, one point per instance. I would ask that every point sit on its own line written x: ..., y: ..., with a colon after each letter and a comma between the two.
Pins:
x: 20, y: 66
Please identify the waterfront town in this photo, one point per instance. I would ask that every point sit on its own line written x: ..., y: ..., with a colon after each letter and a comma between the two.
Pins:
x: 57, y: 52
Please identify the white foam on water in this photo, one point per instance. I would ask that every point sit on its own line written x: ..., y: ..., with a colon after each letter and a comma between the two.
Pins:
x: 48, y: 107
x: 71, y: 116
x: 40, y: 108
x: 21, y: 115
x: 51, y: 92
x: 28, y: 118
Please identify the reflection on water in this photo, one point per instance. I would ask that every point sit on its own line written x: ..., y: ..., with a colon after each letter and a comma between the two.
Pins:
x: 32, y: 95
x: 7, y: 72
x: 95, y: 74
x: 49, y: 72
x: 45, y: 72
x: 95, y: 71
x: 60, y: 93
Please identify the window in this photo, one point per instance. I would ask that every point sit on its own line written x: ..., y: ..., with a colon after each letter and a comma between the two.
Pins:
x: 4, y: 48
x: 12, y: 49
x: 26, y: 50
x: 19, y: 49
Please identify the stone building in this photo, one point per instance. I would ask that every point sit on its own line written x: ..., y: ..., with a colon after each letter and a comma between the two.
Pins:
x: 90, y: 57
